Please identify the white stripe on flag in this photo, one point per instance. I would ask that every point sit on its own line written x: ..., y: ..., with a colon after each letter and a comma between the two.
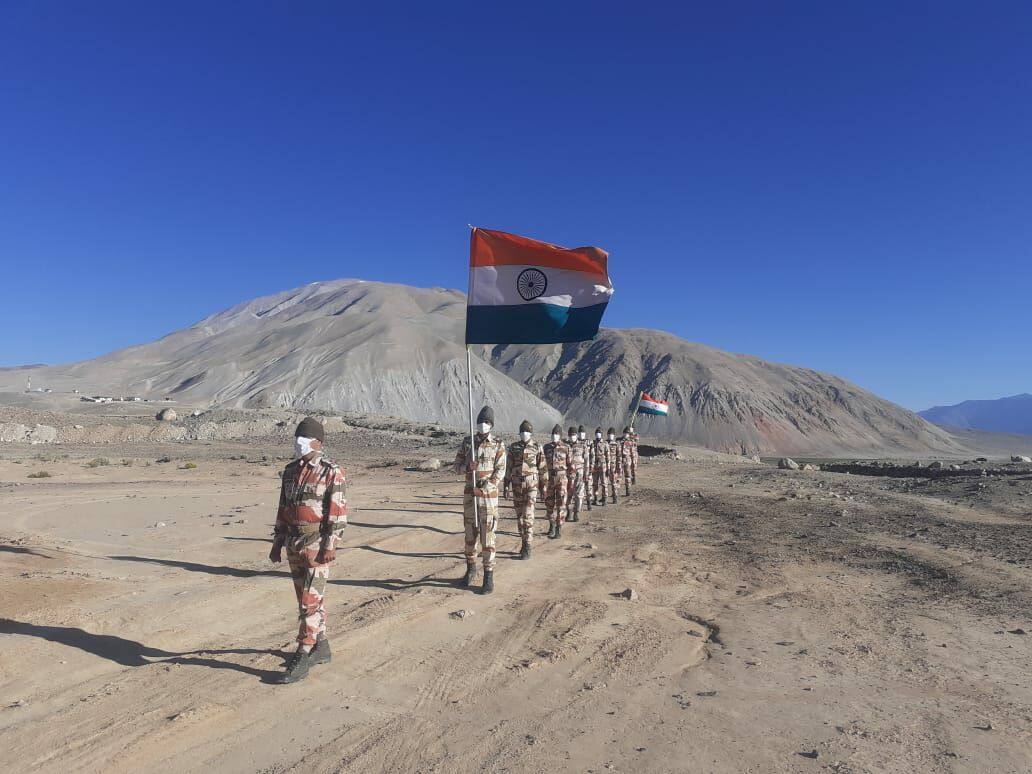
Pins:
x: 502, y: 285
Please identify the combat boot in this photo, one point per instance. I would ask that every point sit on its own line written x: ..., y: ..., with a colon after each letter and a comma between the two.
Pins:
x: 558, y: 530
x: 614, y: 497
x: 488, y: 586
x: 321, y: 652
x: 471, y: 571
x: 525, y: 550
x: 297, y: 668
x: 552, y: 529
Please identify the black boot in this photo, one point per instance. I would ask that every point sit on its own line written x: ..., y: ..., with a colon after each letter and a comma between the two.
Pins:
x: 488, y: 586
x: 627, y: 491
x: 576, y: 515
x: 525, y: 550
x: 297, y: 668
x: 471, y: 571
x: 614, y: 497
x: 558, y: 530
x: 551, y: 530
x: 321, y: 652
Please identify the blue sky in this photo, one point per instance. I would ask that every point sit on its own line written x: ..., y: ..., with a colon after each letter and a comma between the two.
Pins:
x: 844, y: 186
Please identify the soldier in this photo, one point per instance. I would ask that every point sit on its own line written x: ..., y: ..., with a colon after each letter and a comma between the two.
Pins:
x: 483, y: 462
x: 507, y: 481
x: 614, y: 463
x: 312, y: 512
x: 634, y: 454
x: 560, y: 469
x: 527, y: 470
x: 599, y: 467
x: 578, y: 481
x: 626, y: 454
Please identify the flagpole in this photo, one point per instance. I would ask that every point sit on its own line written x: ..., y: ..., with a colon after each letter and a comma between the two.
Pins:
x: 637, y: 405
x: 472, y: 438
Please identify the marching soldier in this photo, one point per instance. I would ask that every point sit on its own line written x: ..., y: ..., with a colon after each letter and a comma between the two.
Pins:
x: 599, y: 467
x: 312, y: 512
x: 626, y: 455
x: 527, y: 471
x: 614, y: 463
x: 482, y: 459
x: 577, y: 487
x: 507, y: 481
x: 582, y: 436
x: 559, y: 471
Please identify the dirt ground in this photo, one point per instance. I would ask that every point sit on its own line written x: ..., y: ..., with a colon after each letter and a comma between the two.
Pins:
x: 784, y: 621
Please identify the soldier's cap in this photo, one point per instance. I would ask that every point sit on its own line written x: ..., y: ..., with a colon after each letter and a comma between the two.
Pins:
x: 573, y: 430
x: 611, y: 431
x: 526, y: 427
x: 580, y: 429
x: 310, y: 428
x: 558, y: 430
x: 598, y: 429
x: 486, y: 415
x: 627, y: 429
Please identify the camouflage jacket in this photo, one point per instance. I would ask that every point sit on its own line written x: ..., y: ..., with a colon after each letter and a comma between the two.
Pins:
x: 615, y: 455
x: 600, y: 455
x: 312, y: 492
x: 558, y: 460
x: 526, y: 463
x: 489, y: 467
x: 626, y: 451
x: 580, y: 454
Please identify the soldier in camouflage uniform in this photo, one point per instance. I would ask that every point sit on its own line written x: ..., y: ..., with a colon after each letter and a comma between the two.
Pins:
x: 614, y: 463
x: 312, y: 513
x: 626, y: 456
x: 559, y: 471
x: 483, y: 462
x: 526, y: 469
x: 634, y: 455
x: 599, y: 467
x: 577, y: 488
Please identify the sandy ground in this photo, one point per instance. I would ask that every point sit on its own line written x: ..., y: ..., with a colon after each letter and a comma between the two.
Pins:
x: 784, y: 621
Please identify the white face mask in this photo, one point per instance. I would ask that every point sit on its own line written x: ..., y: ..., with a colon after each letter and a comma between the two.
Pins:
x: 525, y: 436
x: 582, y: 436
x: 612, y: 437
x: 598, y: 436
x: 302, y: 446
x: 484, y: 428
x: 555, y: 437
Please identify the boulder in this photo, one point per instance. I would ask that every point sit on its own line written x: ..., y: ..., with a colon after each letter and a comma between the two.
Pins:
x: 429, y: 466
x: 166, y: 415
x: 787, y: 463
x: 1021, y: 458
x: 808, y: 466
x: 935, y: 465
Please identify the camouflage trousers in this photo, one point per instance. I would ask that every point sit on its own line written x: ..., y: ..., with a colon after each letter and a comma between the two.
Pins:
x: 634, y: 468
x: 598, y: 481
x: 310, y: 589
x: 613, y: 479
x: 626, y: 471
x: 555, y: 502
x: 488, y: 513
x: 577, y: 490
x: 524, y: 498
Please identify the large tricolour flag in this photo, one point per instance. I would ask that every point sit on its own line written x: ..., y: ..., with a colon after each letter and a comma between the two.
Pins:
x: 522, y: 291
x: 650, y: 405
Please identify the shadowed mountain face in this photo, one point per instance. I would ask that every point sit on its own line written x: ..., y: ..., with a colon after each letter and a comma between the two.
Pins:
x: 1005, y: 415
x: 727, y: 402
x: 349, y: 345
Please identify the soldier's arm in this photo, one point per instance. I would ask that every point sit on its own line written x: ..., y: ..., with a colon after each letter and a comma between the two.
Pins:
x: 335, y: 503
x: 499, y: 465
x: 542, y: 466
x: 460, y: 459
x: 280, y: 530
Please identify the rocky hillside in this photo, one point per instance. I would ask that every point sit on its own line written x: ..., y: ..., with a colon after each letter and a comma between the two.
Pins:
x: 1005, y: 415
x: 355, y: 346
x: 723, y: 401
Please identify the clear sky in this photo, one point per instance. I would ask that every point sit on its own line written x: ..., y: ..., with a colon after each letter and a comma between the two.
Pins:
x: 844, y: 186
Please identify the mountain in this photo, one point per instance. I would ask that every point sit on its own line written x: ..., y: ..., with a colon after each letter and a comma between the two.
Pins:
x: 349, y: 345
x: 344, y: 345
x: 723, y: 401
x: 1004, y: 415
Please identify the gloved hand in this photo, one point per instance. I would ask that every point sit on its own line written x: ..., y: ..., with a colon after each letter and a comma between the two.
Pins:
x: 276, y: 553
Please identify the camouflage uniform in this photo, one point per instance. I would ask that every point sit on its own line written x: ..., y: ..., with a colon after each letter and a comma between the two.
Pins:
x: 626, y: 457
x: 490, y: 470
x: 560, y: 469
x: 527, y: 470
x: 613, y: 478
x: 600, y: 469
x: 577, y: 488
x: 312, y: 512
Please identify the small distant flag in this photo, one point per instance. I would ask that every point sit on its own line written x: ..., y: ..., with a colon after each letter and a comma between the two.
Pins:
x: 649, y: 405
x: 522, y: 291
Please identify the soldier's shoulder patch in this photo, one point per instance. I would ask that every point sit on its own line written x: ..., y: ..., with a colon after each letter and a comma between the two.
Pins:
x: 332, y: 465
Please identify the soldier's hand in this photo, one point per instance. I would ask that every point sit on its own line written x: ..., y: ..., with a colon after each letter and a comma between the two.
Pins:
x: 276, y: 553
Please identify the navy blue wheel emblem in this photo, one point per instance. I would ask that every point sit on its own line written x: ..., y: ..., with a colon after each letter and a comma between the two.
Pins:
x: 531, y: 283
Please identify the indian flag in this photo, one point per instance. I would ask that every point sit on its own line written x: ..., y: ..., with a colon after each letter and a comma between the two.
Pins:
x: 522, y: 291
x: 650, y: 405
